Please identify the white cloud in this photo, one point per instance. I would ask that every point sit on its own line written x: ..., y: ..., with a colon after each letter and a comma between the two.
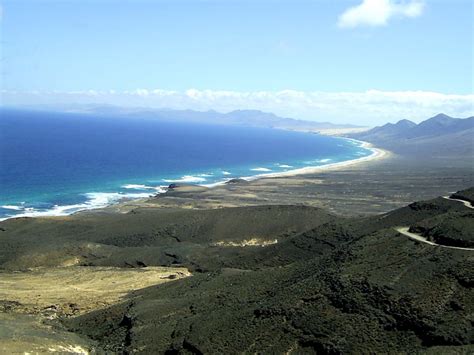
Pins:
x: 370, y: 107
x: 379, y: 12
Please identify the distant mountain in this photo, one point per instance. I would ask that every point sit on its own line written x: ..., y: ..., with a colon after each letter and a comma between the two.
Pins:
x: 441, y: 124
x: 438, y: 136
x: 251, y: 118
x: 391, y: 129
x: 264, y: 119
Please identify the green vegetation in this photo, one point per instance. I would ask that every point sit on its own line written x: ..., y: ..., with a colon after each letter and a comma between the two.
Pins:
x: 328, y: 285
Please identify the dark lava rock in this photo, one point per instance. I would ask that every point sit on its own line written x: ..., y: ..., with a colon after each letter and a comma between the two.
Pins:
x: 236, y: 181
x: 9, y: 306
x: 330, y: 285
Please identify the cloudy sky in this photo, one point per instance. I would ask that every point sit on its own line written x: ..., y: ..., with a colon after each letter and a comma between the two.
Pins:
x: 351, y: 61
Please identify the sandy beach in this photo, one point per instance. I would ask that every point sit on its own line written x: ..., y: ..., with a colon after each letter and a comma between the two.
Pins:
x: 377, y: 154
x: 295, y: 186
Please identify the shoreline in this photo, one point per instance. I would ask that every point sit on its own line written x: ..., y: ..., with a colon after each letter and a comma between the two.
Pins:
x: 377, y: 154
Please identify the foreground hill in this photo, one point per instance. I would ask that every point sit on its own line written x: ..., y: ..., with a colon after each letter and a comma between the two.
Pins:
x: 268, y: 279
x: 440, y: 136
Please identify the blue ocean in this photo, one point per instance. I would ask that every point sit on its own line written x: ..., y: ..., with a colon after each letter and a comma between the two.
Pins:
x: 60, y: 163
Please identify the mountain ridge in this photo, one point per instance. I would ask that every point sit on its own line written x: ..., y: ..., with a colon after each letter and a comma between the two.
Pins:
x: 241, y: 117
x: 438, y: 136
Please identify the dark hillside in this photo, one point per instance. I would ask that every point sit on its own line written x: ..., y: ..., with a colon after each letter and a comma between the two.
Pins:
x: 439, y: 137
x: 320, y: 284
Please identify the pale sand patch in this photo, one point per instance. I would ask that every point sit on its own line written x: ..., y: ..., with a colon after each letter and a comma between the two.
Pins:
x: 247, y: 195
x: 79, y: 289
x: 253, y: 242
x: 28, y: 334
x: 46, y: 293
x: 341, y: 131
x: 71, y: 262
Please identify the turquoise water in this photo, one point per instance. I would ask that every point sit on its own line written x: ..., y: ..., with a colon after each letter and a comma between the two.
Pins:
x: 59, y: 163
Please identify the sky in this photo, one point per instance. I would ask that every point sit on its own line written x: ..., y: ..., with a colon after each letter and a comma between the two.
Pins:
x: 345, y: 61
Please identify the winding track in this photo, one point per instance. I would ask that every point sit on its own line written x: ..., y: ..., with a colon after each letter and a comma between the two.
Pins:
x: 464, y: 202
x: 419, y: 238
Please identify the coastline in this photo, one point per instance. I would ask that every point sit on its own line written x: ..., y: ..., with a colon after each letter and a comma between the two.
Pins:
x: 377, y: 154
x: 61, y: 211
